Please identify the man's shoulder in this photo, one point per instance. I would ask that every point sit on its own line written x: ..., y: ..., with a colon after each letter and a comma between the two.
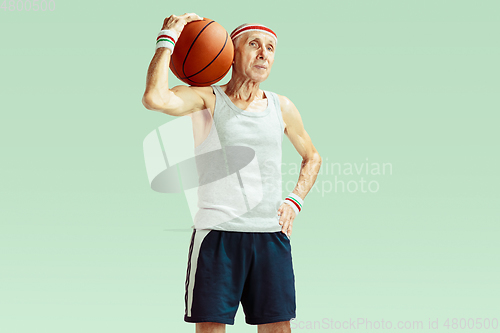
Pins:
x: 286, y: 108
x: 289, y: 112
x: 285, y: 103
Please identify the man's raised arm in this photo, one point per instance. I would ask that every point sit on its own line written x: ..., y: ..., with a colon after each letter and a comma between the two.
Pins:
x: 180, y: 100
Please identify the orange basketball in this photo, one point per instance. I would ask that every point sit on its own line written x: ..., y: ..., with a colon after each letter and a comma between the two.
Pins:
x: 203, y: 54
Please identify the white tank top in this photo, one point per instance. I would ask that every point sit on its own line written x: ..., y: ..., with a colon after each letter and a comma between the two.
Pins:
x: 239, y: 168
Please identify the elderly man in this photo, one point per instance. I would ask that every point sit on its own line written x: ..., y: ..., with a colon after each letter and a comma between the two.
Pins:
x: 246, y: 258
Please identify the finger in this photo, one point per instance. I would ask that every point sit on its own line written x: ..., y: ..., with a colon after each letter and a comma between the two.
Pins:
x: 285, y: 223
x: 193, y: 17
x: 283, y: 220
x: 290, y: 228
x: 280, y: 213
x: 283, y: 216
x: 287, y: 226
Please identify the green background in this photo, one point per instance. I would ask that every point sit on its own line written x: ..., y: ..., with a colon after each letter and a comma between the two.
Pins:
x: 84, y: 242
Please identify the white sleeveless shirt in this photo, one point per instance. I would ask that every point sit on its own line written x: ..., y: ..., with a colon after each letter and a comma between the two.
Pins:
x: 239, y: 168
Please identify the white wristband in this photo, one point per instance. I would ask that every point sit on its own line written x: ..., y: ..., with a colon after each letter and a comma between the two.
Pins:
x: 295, y: 202
x: 166, y: 38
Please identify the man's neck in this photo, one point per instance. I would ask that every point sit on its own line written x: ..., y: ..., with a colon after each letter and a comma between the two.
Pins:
x: 243, y: 90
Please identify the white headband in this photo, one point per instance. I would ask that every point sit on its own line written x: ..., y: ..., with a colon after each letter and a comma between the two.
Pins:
x: 253, y: 27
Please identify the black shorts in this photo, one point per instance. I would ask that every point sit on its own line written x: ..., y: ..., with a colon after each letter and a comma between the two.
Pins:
x: 226, y: 267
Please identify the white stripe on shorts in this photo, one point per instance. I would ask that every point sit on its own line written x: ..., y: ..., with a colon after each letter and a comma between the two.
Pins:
x: 199, y: 235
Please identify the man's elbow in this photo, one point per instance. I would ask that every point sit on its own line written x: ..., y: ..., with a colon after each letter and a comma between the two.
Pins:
x: 314, y: 157
x: 149, y: 102
x: 317, y: 160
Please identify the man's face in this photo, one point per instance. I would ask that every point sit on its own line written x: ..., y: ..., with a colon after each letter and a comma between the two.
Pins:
x: 254, y: 55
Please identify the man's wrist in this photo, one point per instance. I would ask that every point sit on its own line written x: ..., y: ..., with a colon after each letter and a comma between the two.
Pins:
x: 294, y: 201
x: 164, y: 49
x: 166, y: 39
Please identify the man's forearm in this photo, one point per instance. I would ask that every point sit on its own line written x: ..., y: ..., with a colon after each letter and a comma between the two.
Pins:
x: 308, y: 174
x: 157, y: 77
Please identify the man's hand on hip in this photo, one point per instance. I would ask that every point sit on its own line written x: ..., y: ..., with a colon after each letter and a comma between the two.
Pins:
x: 287, y: 215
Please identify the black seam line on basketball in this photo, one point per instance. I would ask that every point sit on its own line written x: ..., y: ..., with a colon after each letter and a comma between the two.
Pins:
x: 223, y: 46
x: 191, y: 46
x: 214, y: 80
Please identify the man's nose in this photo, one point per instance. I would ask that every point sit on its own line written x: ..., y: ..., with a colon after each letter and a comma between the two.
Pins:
x: 263, y: 54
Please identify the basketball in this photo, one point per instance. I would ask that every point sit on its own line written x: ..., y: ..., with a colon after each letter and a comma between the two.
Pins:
x: 203, y: 53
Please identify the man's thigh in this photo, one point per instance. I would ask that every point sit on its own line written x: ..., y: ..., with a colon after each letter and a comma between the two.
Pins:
x: 210, y: 328
x: 279, y: 327
x: 269, y: 292
x: 215, y: 278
